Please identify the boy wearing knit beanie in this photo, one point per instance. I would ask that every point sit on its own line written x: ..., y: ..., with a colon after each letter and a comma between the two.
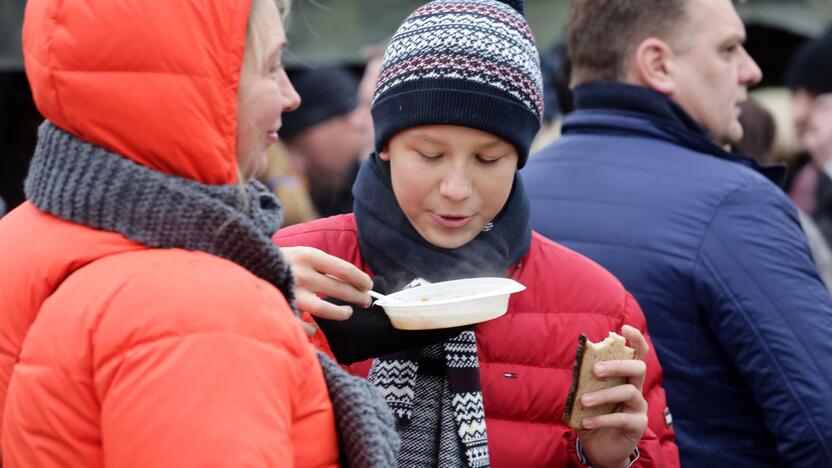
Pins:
x: 457, y: 104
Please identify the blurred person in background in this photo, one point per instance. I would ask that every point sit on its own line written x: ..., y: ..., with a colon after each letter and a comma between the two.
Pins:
x: 557, y: 96
x: 326, y: 135
x: 708, y: 243
x: 2, y: 207
x: 366, y: 88
x: 147, y: 318
x: 19, y: 122
x: 759, y: 131
x: 810, y: 78
x: 282, y: 178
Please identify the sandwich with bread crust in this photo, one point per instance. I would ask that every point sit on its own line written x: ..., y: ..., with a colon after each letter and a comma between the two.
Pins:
x: 614, y: 347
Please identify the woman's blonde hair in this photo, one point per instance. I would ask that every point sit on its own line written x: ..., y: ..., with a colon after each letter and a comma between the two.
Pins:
x: 289, y: 187
x: 254, y: 50
x: 253, y: 55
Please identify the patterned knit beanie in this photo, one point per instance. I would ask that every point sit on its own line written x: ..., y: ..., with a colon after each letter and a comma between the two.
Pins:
x: 471, y: 63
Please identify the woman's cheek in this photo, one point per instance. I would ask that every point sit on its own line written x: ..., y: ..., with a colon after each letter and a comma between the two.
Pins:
x: 271, y: 106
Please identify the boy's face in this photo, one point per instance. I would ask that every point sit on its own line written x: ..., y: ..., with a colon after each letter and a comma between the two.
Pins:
x: 450, y: 181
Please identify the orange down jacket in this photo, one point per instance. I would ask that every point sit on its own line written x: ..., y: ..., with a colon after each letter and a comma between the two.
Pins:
x: 114, y: 354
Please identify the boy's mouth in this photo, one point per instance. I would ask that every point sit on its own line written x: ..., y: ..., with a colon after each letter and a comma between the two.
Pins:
x: 451, y: 221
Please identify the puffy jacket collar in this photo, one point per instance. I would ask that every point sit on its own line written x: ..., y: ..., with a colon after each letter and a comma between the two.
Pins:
x: 610, y: 107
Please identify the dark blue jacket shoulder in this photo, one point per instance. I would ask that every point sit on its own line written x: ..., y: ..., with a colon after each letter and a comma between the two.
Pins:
x: 713, y: 251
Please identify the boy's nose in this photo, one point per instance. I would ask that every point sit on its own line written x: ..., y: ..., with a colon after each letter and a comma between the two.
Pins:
x: 456, y: 185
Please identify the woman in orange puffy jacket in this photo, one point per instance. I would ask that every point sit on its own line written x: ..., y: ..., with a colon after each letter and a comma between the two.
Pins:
x: 147, y: 319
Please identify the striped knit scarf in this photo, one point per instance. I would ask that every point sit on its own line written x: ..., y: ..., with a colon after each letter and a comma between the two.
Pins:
x: 382, y: 229
x: 396, y: 377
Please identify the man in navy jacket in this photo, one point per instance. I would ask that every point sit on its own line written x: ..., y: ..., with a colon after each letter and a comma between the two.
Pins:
x: 706, y: 241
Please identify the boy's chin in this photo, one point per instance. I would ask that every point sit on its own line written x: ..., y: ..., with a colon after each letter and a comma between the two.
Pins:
x: 449, y: 241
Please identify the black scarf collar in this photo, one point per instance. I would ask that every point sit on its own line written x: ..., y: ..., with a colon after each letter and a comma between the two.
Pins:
x: 395, y: 251
x: 614, y: 107
x: 637, y: 100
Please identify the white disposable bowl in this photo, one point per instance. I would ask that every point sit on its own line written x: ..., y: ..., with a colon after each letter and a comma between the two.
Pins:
x: 449, y: 303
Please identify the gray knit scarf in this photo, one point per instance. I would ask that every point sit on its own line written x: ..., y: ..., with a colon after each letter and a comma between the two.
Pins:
x: 83, y: 183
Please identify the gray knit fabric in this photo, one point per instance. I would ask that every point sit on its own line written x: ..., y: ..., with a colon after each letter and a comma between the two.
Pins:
x: 429, y: 437
x: 451, y: 452
x: 366, y: 426
x: 415, y: 391
x: 86, y: 184
x: 83, y: 183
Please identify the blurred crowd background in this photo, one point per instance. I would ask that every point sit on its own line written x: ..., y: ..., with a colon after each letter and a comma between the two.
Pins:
x: 335, y: 52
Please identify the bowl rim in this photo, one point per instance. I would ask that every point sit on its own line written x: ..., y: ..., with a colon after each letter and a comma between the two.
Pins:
x: 509, y: 287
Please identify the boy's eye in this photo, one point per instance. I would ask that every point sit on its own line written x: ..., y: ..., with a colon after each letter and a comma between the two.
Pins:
x: 429, y: 157
x: 488, y: 160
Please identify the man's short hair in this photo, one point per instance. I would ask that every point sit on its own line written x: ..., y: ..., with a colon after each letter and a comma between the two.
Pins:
x: 602, y: 33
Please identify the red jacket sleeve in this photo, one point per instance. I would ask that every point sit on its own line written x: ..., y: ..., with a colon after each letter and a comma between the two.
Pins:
x: 658, y: 446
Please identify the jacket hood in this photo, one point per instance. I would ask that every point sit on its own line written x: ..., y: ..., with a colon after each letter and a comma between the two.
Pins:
x: 156, y: 84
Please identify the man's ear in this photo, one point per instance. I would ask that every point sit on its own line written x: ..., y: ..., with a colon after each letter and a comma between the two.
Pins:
x: 651, y: 66
x: 384, y: 154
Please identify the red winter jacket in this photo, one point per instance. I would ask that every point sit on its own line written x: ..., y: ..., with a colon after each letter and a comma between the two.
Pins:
x: 534, y: 343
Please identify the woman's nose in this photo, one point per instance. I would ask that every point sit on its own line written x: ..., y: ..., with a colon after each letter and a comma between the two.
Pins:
x: 290, y: 95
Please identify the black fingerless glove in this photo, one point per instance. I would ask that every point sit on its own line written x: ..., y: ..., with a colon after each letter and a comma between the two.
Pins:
x: 368, y: 333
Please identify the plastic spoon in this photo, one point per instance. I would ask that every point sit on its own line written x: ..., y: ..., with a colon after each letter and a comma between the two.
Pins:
x: 378, y: 296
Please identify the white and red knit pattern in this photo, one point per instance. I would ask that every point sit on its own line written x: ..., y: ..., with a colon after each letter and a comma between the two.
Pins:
x: 484, y: 42
x: 474, y: 69
x: 501, y: 13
